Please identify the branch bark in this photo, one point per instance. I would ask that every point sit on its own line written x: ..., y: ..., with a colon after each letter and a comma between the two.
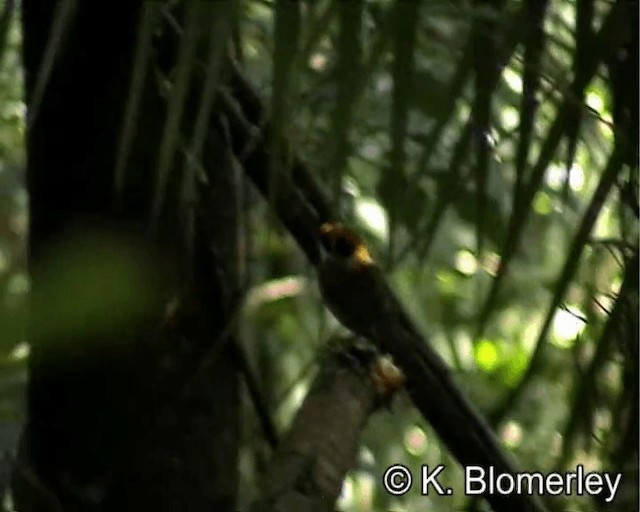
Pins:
x: 307, y: 469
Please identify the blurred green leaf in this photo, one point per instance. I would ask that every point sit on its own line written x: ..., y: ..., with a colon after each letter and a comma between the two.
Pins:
x: 107, y: 282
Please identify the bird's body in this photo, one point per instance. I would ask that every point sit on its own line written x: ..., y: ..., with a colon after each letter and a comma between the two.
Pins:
x: 345, y: 292
x: 351, y: 283
x: 354, y: 288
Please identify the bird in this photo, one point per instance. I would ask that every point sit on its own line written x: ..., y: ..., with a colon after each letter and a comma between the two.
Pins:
x: 351, y: 283
x: 355, y: 291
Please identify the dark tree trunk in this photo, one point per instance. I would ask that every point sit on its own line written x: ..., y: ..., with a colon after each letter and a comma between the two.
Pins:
x: 112, y: 422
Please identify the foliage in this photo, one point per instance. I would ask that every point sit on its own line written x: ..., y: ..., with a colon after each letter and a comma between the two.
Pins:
x: 469, y: 147
x: 14, y: 283
x: 477, y: 155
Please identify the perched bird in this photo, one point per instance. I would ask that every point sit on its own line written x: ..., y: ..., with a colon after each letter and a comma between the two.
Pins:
x: 355, y: 291
x: 351, y: 284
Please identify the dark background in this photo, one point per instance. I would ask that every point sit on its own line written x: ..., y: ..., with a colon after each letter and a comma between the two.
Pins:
x: 486, y: 150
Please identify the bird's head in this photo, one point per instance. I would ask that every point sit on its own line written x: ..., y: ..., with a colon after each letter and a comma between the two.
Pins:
x: 344, y: 245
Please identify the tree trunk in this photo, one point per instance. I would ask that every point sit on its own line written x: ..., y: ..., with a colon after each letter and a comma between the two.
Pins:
x: 118, y: 419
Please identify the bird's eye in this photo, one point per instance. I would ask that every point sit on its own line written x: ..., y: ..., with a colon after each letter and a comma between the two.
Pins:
x: 343, y: 247
x: 327, y: 242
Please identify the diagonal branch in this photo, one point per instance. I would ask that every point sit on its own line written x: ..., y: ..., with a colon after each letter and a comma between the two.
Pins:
x: 302, y: 206
x: 430, y: 383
